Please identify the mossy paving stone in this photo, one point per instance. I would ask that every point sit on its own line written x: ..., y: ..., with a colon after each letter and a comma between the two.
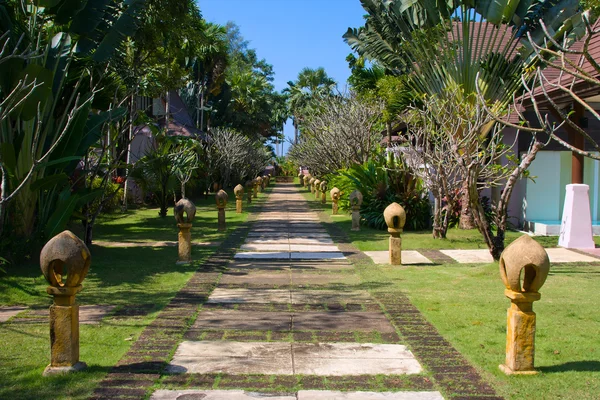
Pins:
x: 182, y: 306
x: 418, y: 332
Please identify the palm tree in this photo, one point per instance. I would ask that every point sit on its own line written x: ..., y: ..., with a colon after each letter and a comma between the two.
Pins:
x: 310, y: 83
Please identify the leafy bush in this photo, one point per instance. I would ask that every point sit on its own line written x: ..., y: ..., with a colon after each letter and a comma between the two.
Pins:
x: 381, y: 186
x: 111, y: 188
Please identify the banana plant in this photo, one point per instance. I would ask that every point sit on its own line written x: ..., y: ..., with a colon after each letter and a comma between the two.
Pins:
x: 52, y: 125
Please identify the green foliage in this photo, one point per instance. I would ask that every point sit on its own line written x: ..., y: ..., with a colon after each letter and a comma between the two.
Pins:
x: 109, y: 188
x: 381, y: 186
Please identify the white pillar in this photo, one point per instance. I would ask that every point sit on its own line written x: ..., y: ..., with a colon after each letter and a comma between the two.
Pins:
x: 576, y: 226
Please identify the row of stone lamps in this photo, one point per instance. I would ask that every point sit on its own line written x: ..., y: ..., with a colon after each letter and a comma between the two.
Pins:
x: 185, y: 206
x: 65, y: 261
x: 319, y: 188
x: 524, y: 267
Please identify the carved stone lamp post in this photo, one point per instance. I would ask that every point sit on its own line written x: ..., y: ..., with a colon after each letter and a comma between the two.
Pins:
x: 221, y: 198
x: 524, y: 258
x: 301, y: 178
x: 395, y: 218
x: 65, y: 261
x: 356, y: 199
x: 306, y: 180
x: 239, y: 198
x: 255, y: 187
x: 249, y: 185
x: 335, y: 197
x: 184, y: 223
x: 311, y: 183
x: 259, y: 182
x: 317, y: 182
x: 323, y: 191
x: 265, y: 182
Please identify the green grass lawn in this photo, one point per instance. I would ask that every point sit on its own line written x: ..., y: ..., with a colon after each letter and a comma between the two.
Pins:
x: 466, y: 304
x: 135, y: 276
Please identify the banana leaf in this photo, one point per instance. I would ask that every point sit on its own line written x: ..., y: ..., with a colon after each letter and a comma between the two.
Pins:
x: 49, y: 182
x: 65, y: 205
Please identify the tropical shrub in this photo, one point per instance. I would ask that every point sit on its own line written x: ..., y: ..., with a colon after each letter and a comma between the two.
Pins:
x: 381, y: 186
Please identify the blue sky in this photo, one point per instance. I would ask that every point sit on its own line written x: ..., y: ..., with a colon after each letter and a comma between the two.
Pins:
x: 292, y: 34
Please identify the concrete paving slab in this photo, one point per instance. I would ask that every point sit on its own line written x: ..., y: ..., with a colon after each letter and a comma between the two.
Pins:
x: 409, y: 257
x: 342, y: 321
x: 261, y: 240
x: 266, y: 247
x: 229, y: 296
x: 335, y: 395
x: 204, y: 357
x: 7, y: 313
x: 309, y: 235
x: 562, y: 255
x: 313, y: 248
x: 470, y: 256
x: 300, y: 296
x: 317, y: 256
x: 338, y: 359
x: 216, y: 395
x: 303, y: 278
x: 268, y: 234
x: 257, y: 278
x: 255, y: 255
x: 320, y: 265
x: 93, y: 314
x: 315, y: 241
x: 245, y: 320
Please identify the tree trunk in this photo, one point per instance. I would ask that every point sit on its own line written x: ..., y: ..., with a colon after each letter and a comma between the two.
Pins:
x: 295, y: 132
x: 466, y: 214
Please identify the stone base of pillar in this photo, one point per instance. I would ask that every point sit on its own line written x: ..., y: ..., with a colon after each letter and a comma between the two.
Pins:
x: 185, y: 243
x: 221, y: 219
x: 395, y: 249
x: 576, y: 226
x: 50, y: 370
x: 520, y: 341
x: 355, y: 221
x: 334, y: 209
x: 238, y: 206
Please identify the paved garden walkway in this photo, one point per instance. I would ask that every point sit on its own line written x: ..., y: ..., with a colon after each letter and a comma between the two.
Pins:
x: 284, y: 315
x: 289, y: 314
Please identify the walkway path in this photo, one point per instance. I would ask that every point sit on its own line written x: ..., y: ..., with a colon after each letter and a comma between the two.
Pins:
x: 290, y: 316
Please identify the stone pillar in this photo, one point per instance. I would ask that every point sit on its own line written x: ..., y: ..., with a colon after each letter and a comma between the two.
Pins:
x: 301, y: 178
x: 311, y: 183
x: 395, y: 218
x: 526, y: 260
x: 64, y: 254
x: 259, y: 182
x: 221, y: 198
x: 317, y: 184
x: 576, y: 225
x: 305, y: 180
x: 335, y: 197
x: 249, y: 185
x: 184, y: 211
x: 323, y: 190
x: 185, y: 243
x: 356, y: 199
x: 265, y: 182
x: 239, y: 196
x: 255, y: 187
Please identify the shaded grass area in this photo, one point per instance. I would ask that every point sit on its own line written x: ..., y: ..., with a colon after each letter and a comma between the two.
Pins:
x: 466, y: 304
x: 144, y: 277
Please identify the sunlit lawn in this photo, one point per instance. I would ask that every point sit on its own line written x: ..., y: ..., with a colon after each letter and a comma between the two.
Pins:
x: 134, y: 276
x: 466, y: 304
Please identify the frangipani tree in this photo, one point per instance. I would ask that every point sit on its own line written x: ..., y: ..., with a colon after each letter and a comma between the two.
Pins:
x: 453, y: 46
